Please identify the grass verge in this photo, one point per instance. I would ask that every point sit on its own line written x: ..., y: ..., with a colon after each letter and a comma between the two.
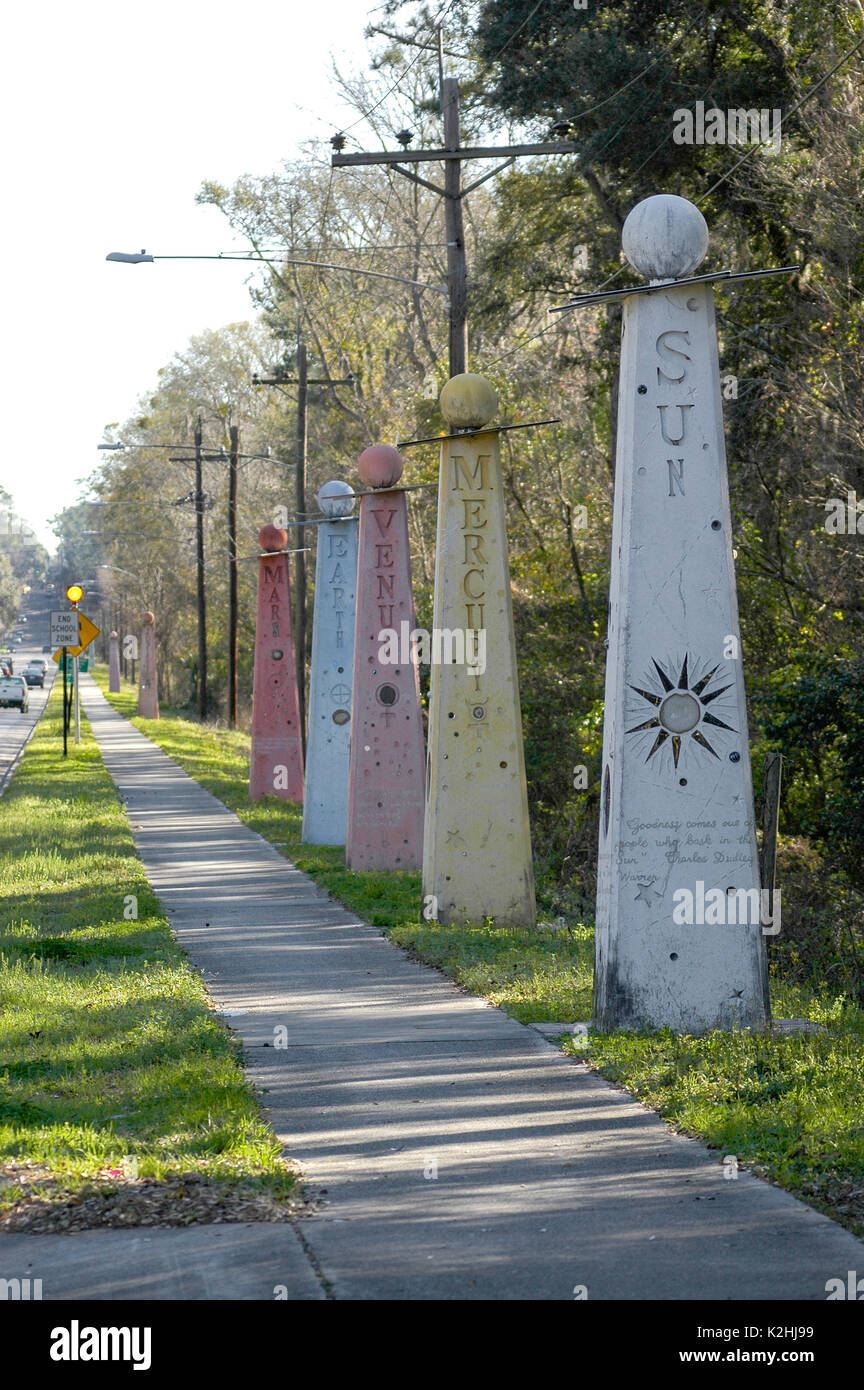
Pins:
x: 789, y: 1108
x: 122, y: 1096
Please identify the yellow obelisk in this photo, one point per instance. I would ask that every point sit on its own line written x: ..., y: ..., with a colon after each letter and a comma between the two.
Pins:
x: 477, y: 842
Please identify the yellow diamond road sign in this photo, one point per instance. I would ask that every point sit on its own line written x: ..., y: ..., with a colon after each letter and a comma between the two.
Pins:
x: 86, y: 632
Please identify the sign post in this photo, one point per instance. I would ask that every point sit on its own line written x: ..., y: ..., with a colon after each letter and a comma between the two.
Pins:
x: 77, y: 700
x: 65, y: 749
x: 71, y: 633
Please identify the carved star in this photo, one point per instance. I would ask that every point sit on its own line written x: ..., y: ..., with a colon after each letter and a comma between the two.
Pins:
x: 646, y: 891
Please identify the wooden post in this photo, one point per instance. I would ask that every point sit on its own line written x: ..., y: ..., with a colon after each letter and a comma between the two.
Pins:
x: 300, y: 506
x: 455, y: 231
x: 199, y: 574
x: 232, y: 576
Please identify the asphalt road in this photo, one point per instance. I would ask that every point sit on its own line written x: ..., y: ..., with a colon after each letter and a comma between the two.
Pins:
x: 15, y: 727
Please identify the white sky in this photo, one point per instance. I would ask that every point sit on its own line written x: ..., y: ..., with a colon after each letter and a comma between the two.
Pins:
x: 113, y: 115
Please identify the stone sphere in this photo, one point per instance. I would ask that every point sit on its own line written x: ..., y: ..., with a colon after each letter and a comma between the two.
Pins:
x: 468, y: 401
x: 272, y: 538
x: 665, y: 237
x: 380, y: 465
x: 113, y: 636
x: 148, y: 619
x: 336, y: 498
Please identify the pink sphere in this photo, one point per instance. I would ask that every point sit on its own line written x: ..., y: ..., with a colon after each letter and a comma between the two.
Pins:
x: 380, y: 465
x: 272, y: 538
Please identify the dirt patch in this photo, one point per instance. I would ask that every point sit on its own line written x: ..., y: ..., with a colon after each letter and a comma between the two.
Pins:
x: 38, y: 1202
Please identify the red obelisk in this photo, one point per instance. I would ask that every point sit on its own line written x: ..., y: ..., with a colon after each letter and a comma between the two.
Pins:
x: 387, y: 772
x: 276, y: 767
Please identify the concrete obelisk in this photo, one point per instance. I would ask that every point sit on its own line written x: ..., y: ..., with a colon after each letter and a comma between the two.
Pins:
x: 676, y: 815
x: 387, y: 766
x: 148, y: 684
x: 477, y: 845
x: 325, y: 807
x: 276, y: 767
x: 114, y: 664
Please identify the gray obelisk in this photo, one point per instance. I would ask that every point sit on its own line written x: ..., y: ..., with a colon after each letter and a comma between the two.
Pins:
x: 679, y: 939
x: 325, y: 806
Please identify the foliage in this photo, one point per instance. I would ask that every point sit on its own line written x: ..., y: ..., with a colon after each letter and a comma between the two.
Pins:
x: 816, y: 715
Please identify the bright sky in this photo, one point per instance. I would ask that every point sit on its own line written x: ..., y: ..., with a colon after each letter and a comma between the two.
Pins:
x: 114, y: 114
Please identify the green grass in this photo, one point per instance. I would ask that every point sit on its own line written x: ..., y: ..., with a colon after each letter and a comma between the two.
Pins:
x: 789, y: 1107
x: 108, y: 1048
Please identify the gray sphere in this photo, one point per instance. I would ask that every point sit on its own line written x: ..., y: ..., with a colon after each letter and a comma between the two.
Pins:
x: 336, y: 498
x: 665, y: 237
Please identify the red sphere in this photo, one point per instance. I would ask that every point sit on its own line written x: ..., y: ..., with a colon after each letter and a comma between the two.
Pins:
x: 272, y: 538
x: 380, y: 465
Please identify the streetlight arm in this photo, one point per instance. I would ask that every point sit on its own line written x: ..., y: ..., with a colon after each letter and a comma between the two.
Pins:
x: 135, y: 258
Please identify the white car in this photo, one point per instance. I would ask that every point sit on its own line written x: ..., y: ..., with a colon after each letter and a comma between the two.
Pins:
x: 13, y: 691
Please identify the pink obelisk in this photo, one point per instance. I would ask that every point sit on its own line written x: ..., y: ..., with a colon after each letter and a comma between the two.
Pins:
x: 387, y: 773
x: 276, y: 767
x: 113, y: 664
x: 148, y: 684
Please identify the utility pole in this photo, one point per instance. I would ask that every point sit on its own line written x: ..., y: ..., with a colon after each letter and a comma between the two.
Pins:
x: 302, y: 381
x: 199, y: 568
x: 300, y: 509
x: 233, y: 459
x: 452, y: 155
x: 457, y: 270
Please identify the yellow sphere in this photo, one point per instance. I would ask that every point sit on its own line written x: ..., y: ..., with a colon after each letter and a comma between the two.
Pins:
x: 468, y: 401
x: 74, y: 593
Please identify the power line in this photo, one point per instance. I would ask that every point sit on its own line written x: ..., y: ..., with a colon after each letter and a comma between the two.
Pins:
x: 366, y: 114
x: 797, y: 107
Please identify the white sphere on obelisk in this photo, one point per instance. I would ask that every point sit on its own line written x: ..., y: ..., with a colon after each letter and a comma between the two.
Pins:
x: 336, y: 498
x: 665, y: 237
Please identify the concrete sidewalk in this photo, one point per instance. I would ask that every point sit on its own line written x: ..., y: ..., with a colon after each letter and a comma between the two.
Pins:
x: 458, y: 1155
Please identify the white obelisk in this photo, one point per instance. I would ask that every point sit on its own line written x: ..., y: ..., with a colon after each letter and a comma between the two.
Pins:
x: 325, y: 805
x: 677, y: 826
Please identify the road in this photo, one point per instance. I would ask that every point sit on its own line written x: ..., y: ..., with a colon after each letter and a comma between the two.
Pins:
x: 15, y: 727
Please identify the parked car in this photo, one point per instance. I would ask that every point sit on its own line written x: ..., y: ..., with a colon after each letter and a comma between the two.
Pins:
x: 13, y: 691
x: 34, y: 673
x: 47, y: 647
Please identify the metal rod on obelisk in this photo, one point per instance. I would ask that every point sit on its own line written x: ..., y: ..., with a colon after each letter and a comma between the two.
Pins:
x: 328, y: 744
x: 477, y: 844
x: 679, y: 938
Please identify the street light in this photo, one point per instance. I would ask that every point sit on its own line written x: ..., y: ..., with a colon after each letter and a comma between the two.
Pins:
x: 137, y: 257
x: 118, y: 570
